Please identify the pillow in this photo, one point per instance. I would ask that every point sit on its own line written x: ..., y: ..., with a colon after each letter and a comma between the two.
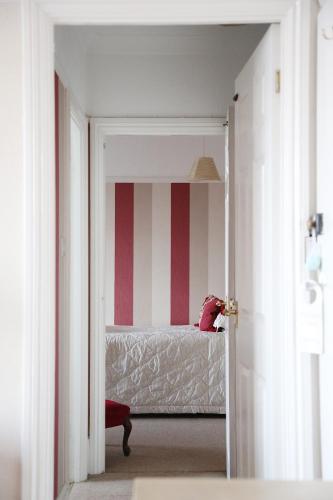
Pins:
x: 211, y: 307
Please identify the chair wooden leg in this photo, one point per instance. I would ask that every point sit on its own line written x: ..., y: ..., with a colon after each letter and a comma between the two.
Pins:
x: 127, y: 431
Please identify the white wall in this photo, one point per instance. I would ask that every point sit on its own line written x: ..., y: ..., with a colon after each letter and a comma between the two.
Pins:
x: 11, y: 251
x: 159, y: 157
x: 155, y: 70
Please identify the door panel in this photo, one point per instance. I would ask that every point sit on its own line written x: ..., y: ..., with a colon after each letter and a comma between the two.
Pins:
x: 256, y: 158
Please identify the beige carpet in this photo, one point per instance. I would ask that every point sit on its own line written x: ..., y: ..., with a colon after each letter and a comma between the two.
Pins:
x: 119, y: 486
x: 103, y: 487
x: 183, y: 432
x: 161, y: 459
x: 160, y: 447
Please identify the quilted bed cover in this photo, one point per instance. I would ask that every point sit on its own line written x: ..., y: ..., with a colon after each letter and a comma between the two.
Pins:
x: 175, y: 369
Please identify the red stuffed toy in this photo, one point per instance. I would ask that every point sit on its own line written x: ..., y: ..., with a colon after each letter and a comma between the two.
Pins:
x: 211, y: 307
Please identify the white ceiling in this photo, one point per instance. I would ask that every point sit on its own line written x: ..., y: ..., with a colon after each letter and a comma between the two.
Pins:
x: 153, y: 71
x: 177, y: 40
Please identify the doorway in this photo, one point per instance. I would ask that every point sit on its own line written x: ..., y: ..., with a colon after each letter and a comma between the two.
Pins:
x: 102, y: 128
x: 288, y: 16
x: 161, y: 254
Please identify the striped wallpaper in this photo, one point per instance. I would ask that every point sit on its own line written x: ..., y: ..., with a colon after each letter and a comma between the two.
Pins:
x: 164, y: 251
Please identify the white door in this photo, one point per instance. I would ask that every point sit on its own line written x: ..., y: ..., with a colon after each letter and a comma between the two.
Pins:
x: 325, y: 205
x: 230, y: 344
x: 250, y: 388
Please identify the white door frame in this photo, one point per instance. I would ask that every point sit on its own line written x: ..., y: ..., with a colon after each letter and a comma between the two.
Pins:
x: 73, y: 341
x: 101, y: 128
x: 78, y: 299
x: 64, y: 283
x: 297, y: 18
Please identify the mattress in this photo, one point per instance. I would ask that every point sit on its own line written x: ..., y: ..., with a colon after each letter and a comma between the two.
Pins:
x: 175, y: 369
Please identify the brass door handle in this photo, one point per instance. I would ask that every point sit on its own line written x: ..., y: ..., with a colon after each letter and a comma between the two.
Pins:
x: 231, y: 309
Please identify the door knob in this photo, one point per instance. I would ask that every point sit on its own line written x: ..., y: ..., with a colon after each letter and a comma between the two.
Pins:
x: 231, y: 309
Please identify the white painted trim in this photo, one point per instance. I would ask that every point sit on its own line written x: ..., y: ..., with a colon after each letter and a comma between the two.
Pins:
x: 37, y: 20
x: 152, y: 179
x: 78, y: 348
x: 158, y: 126
x: 39, y: 256
x: 166, y: 13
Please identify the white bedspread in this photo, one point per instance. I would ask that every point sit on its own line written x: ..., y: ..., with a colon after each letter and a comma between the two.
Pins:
x: 175, y: 369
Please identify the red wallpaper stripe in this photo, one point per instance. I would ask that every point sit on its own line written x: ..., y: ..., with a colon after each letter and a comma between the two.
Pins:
x: 180, y: 253
x: 124, y: 249
x: 57, y: 269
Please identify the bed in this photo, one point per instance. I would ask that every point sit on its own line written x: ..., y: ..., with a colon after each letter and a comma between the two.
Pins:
x: 175, y: 369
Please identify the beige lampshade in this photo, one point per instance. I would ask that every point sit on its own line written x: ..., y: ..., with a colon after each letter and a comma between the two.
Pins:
x: 204, y: 169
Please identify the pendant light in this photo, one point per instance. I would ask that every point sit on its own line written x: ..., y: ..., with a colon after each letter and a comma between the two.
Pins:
x: 204, y: 169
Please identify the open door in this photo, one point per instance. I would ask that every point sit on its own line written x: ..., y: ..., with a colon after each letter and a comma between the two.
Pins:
x: 230, y: 344
x: 251, y: 168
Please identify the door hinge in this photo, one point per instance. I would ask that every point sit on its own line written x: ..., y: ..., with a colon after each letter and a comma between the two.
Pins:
x: 277, y: 81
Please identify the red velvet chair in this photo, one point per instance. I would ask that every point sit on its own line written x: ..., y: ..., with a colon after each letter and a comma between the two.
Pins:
x: 118, y: 414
